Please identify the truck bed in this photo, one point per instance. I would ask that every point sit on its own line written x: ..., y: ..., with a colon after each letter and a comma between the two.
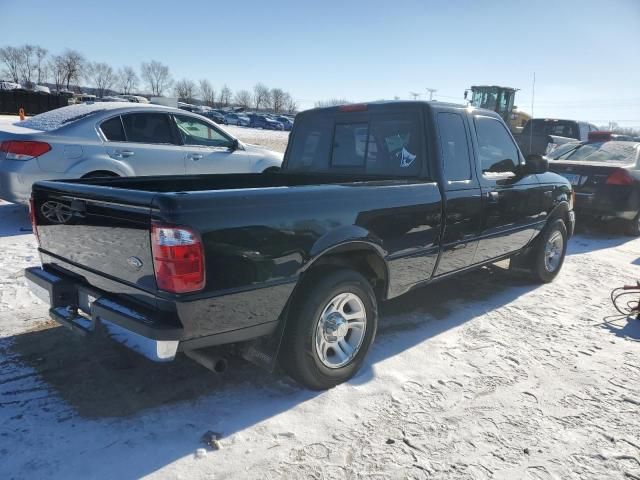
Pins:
x: 259, y: 231
x: 199, y: 183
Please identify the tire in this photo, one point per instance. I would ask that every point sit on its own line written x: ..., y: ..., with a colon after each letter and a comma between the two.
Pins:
x: 548, y: 255
x: 314, y: 325
x: 633, y: 227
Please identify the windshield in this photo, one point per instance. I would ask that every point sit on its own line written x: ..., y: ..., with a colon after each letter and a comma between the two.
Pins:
x: 618, y: 152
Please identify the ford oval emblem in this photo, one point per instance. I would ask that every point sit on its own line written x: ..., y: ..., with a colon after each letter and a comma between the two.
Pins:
x: 135, y: 262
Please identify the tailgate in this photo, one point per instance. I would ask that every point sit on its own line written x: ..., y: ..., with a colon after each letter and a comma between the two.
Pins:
x: 97, y: 228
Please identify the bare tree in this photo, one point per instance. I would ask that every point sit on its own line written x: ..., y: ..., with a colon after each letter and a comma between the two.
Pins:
x: 27, y: 64
x: 103, y: 77
x: 278, y: 98
x: 243, y: 98
x: 58, y: 72
x: 11, y: 57
x: 74, y: 65
x: 157, y: 76
x: 207, y: 93
x: 260, y: 95
x: 42, y: 70
x: 332, y: 102
x: 290, y: 104
x: 127, y: 80
x: 225, y: 96
x: 185, y: 90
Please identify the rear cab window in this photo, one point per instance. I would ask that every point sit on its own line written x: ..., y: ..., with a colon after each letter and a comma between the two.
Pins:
x: 378, y: 143
x: 559, y: 128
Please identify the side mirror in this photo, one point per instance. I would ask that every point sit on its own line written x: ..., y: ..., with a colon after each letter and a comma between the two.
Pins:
x: 536, y: 164
x: 234, y: 145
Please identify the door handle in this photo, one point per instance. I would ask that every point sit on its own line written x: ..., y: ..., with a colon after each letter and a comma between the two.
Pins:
x: 194, y: 156
x: 493, y: 197
x: 123, y: 153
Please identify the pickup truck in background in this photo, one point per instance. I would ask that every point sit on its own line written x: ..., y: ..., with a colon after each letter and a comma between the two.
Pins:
x: 373, y: 200
x: 541, y: 136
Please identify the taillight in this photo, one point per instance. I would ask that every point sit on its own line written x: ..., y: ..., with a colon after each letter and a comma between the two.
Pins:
x: 23, y: 150
x: 353, y: 107
x: 620, y: 177
x: 33, y: 219
x: 178, y: 258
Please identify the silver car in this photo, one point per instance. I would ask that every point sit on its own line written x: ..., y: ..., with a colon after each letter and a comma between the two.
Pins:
x: 119, y: 139
x: 237, y: 119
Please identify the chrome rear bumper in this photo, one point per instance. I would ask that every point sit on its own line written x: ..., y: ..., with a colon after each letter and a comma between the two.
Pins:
x: 86, y: 311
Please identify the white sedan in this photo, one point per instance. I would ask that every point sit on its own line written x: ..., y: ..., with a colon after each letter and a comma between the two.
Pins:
x: 119, y: 139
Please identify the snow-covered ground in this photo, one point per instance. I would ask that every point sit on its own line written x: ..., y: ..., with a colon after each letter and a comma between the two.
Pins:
x: 484, y: 376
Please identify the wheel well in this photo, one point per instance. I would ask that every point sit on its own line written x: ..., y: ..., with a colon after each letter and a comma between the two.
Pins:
x: 364, y: 261
x: 271, y: 170
x: 562, y: 212
x: 100, y: 173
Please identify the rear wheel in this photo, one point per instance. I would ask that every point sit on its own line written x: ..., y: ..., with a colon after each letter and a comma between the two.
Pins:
x: 548, y: 255
x: 633, y: 228
x: 330, y: 329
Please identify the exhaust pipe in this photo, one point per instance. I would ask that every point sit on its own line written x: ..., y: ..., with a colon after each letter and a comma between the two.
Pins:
x: 215, y: 363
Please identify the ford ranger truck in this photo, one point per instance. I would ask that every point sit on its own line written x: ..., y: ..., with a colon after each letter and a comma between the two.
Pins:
x: 373, y: 200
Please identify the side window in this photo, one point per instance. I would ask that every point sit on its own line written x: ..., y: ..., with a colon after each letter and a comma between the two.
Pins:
x: 310, y: 146
x: 349, y: 144
x: 584, y: 131
x: 497, y: 153
x: 196, y: 132
x: 113, y: 130
x: 148, y: 128
x: 395, y: 146
x: 454, y: 146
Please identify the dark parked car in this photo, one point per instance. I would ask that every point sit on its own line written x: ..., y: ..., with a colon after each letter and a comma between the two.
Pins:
x: 372, y: 201
x: 215, y: 116
x: 286, y: 122
x: 262, y: 121
x: 606, y: 178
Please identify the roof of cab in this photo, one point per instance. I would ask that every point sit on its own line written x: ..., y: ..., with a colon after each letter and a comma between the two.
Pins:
x: 395, y: 104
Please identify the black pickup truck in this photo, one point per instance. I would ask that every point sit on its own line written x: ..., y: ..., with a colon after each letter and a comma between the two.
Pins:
x: 542, y: 136
x: 373, y: 200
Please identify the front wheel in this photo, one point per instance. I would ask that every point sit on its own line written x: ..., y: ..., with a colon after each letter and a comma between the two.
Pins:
x: 330, y: 329
x: 548, y: 255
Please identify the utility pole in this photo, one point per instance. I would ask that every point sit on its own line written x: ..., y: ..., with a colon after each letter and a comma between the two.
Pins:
x: 415, y: 95
x: 431, y: 92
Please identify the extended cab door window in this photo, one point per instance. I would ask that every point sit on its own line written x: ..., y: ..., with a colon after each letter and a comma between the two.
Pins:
x: 463, y: 209
x: 455, y: 147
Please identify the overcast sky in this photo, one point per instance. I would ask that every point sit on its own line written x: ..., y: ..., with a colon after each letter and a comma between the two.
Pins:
x: 585, y: 54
